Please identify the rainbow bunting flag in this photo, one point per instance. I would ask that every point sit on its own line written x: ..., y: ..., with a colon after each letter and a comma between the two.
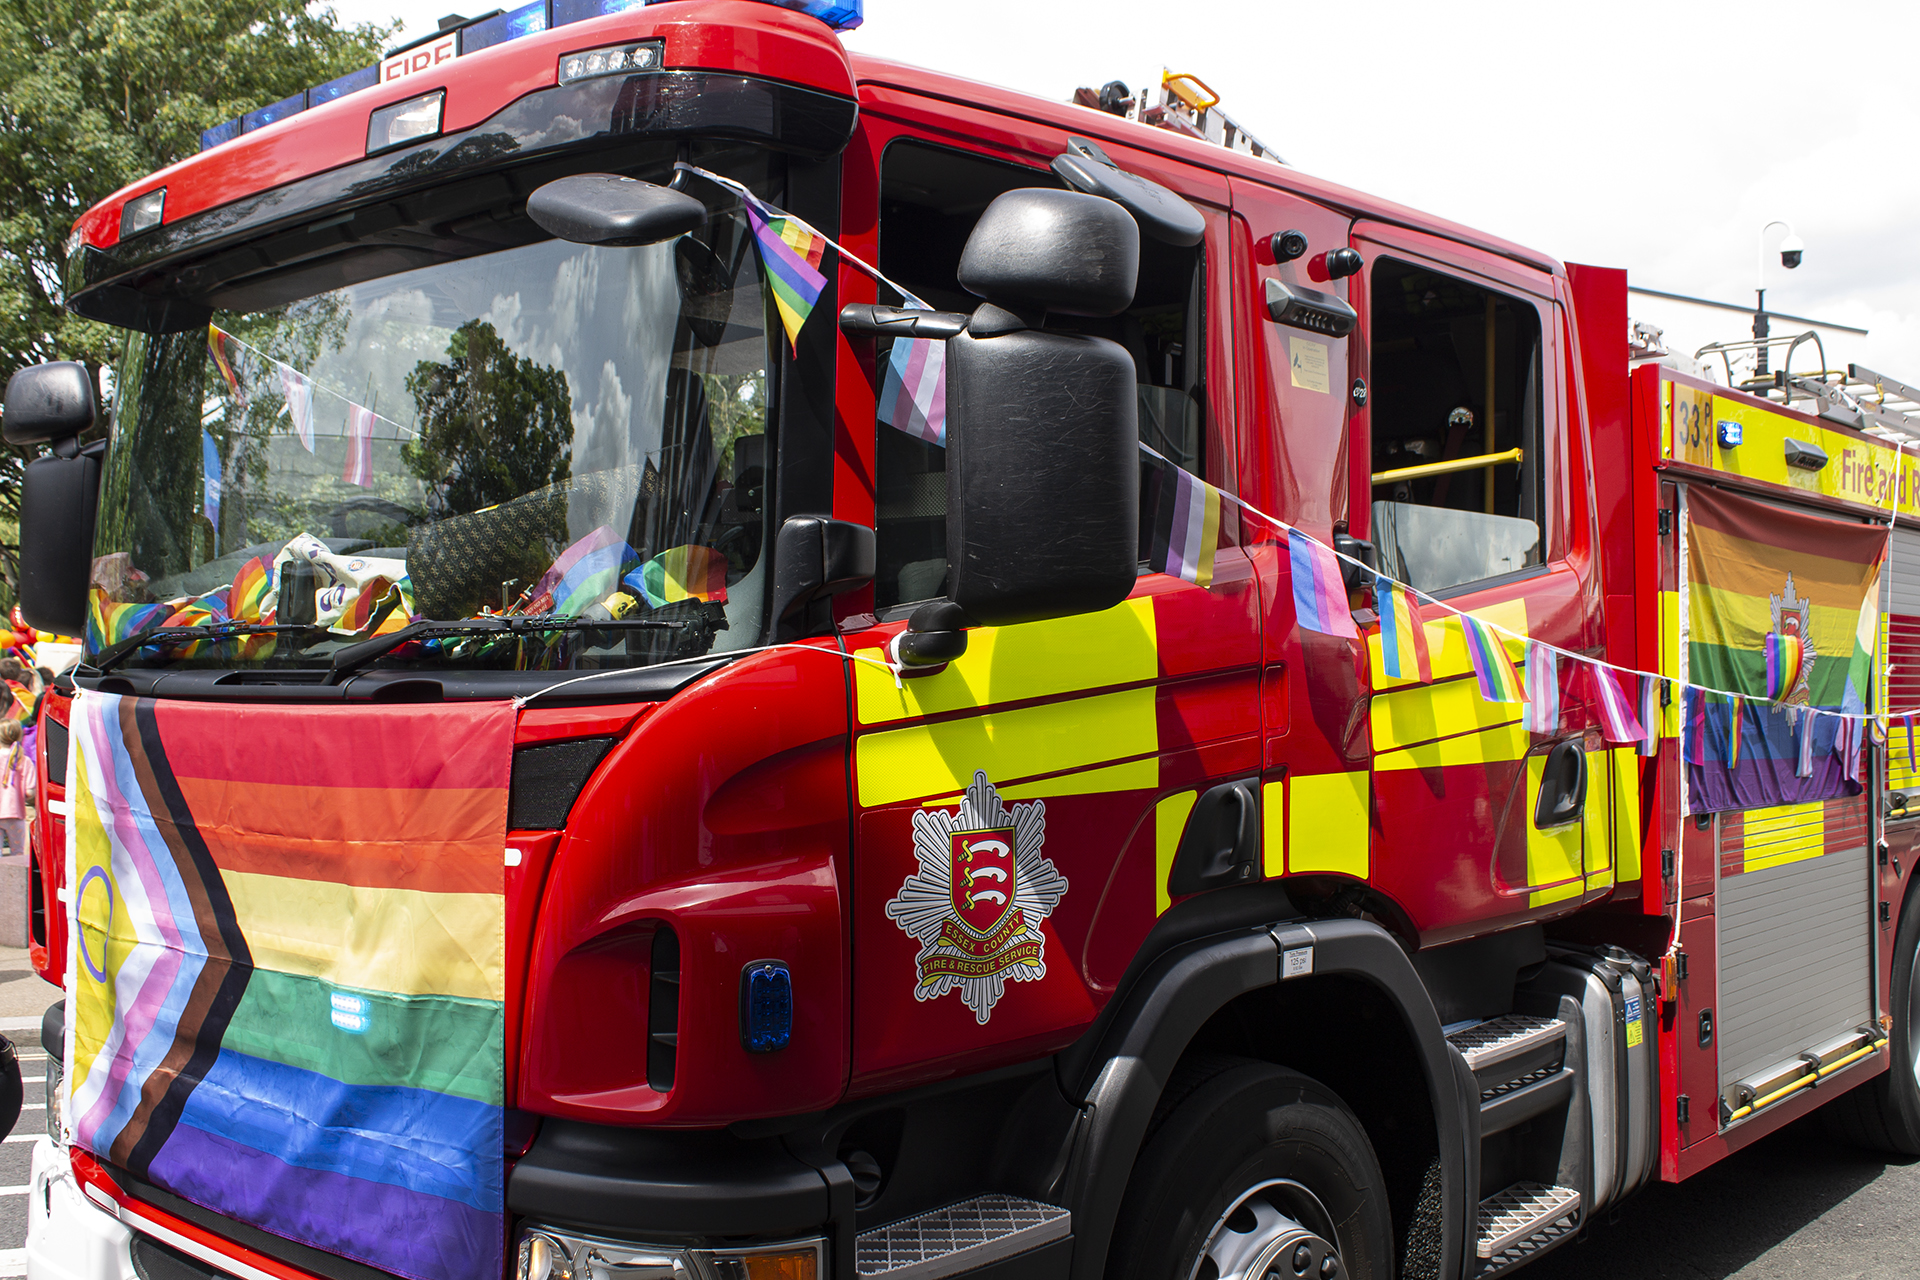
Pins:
x: 1499, y: 682
x: 1319, y: 594
x: 1784, y: 654
x: 682, y: 573
x: 790, y: 254
x: 1617, y: 720
x: 1778, y: 606
x: 1650, y: 715
x: 1543, y: 689
x: 1187, y: 517
x: 1403, y: 637
x: 586, y: 572
x: 286, y: 996
x: 217, y: 348
x: 358, y: 468
x: 298, y: 389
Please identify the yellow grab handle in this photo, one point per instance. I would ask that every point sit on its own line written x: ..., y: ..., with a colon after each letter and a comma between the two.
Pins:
x: 1182, y: 86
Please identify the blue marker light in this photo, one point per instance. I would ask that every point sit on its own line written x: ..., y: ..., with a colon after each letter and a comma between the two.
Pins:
x: 1730, y: 433
x: 766, y: 1006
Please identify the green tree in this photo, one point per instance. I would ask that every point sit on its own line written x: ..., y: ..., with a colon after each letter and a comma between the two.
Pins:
x: 95, y: 94
x: 493, y: 426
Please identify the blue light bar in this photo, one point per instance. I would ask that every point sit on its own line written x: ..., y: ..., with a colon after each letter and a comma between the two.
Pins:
x: 841, y: 15
x: 261, y: 117
x: 568, y: 11
x: 527, y: 20
x: 223, y: 132
x: 352, y: 82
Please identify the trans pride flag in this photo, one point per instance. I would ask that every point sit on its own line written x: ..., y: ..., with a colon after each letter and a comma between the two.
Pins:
x: 286, y: 986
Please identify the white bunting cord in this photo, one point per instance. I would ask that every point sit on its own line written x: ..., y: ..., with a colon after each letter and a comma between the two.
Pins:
x: 278, y: 363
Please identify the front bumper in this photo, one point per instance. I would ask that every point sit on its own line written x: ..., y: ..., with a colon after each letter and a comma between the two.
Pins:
x: 68, y: 1236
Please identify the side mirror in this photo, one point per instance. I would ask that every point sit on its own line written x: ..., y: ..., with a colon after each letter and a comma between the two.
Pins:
x: 604, y: 208
x: 48, y: 402
x: 815, y: 557
x: 1043, y: 437
x: 58, y: 499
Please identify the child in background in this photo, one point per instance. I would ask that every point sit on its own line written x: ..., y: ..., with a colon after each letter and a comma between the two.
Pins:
x: 16, y: 787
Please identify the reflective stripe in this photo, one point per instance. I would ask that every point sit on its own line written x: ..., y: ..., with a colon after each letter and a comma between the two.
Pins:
x: 934, y: 759
x: 1012, y: 664
x: 1169, y: 824
x: 1406, y: 717
x: 1554, y: 856
x: 1501, y: 744
x: 1329, y: 823
x: 1273, y: 828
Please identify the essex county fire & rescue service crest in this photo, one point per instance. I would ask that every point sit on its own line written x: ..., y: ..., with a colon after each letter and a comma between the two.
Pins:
x: 976, y: 903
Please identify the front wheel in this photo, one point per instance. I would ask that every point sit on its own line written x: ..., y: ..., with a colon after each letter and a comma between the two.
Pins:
x: 1884, y: 1113
x: 1253, y: 1171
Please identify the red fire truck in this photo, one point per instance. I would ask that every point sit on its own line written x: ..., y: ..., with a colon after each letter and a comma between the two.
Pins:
x: 902, y: 879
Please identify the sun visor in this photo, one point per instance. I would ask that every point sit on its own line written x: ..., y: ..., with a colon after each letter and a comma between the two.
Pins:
x: 1162, y: 215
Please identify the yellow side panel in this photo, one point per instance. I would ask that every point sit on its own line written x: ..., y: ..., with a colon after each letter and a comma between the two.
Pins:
x: 935, y: 759
x: 1447, y: 644
x: 1134, y: 775
x: 1273, y: 829
x: 1596, y: 820
x: 1627, y: 834
x: 1554, y: 855
x: 1011, y: 664
x: 1423, y: 713
x: 1329, y: 823
x: 1169, y: 822
x: 1670, y: 659
x: 1789, y: 833
x: 1490, y: 746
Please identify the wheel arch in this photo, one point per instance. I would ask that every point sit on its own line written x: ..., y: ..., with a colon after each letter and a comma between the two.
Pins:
x: 1180, y: 1000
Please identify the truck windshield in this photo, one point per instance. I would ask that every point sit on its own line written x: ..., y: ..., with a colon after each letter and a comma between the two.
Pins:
x: 547, y: 431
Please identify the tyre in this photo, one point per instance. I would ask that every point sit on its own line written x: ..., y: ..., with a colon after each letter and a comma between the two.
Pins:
x: 1884, y: 1113
x: 1251, y: 1170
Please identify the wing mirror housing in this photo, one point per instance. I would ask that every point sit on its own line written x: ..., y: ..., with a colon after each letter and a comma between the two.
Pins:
x: 47, y: 402
x: 1043, y: 438
x: 607, y: 209
x: 59, y: 494
x: 815, y: 558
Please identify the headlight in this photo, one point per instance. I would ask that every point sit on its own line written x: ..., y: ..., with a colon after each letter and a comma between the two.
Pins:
x: 549, y: 1254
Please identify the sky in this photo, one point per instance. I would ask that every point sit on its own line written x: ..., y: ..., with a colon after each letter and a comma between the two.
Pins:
x: 1661, y: 138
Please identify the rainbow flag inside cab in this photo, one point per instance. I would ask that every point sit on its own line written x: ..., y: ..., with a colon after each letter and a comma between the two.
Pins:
x: 1764, y: 580
x: 286, y: 986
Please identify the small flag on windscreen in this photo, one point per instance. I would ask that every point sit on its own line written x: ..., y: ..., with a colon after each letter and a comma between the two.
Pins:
x: 359, y: 465
x: 1543, y: 689
x: 299, y: 393
x: 1499, y: 682
x: 790, y: 253
x: 217, y: 347
x: 1319, y: 596
x: 1186, y: 527
x: 1617, y: 721
x: 1403, y: 638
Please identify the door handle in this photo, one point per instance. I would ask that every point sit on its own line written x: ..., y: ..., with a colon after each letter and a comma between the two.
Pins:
x: 1563, y: 787
x: 1221, y: 845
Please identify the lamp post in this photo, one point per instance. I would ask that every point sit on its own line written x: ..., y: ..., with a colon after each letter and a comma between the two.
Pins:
x: 1792, y: 248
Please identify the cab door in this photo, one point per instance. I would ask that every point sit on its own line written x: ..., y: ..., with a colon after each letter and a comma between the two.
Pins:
x: 1018, y: 812
x: 1477, y: 495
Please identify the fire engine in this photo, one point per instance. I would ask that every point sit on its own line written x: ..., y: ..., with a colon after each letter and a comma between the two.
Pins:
x: 614, y: 743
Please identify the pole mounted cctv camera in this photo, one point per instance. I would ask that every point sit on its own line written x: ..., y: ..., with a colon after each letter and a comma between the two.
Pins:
x: 1791, y: 250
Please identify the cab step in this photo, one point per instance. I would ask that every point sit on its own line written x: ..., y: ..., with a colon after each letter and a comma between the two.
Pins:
x: 958, y: 1238
x: 1522, y: 1220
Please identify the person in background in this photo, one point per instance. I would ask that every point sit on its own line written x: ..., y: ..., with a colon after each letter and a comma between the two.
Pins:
x: 16, y: 787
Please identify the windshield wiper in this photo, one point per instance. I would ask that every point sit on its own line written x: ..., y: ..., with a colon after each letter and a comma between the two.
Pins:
x: 354, y: 656
x: 111, y: 656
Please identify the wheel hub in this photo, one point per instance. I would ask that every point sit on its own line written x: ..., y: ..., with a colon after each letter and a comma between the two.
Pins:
x: 1275, y: 1231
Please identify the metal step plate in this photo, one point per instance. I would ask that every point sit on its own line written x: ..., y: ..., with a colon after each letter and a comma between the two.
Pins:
x: 1497, y: 1040
x: 1509, y: 1217
x: 958, y: 1238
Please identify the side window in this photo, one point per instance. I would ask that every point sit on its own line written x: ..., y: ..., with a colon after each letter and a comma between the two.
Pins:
x: 930, y: 198
x: 1457, y: 397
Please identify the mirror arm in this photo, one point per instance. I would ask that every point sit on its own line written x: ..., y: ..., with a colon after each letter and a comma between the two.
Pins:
x: 895, y: 322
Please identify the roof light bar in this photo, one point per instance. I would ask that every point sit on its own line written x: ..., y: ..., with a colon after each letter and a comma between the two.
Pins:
x: 484, y: 33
